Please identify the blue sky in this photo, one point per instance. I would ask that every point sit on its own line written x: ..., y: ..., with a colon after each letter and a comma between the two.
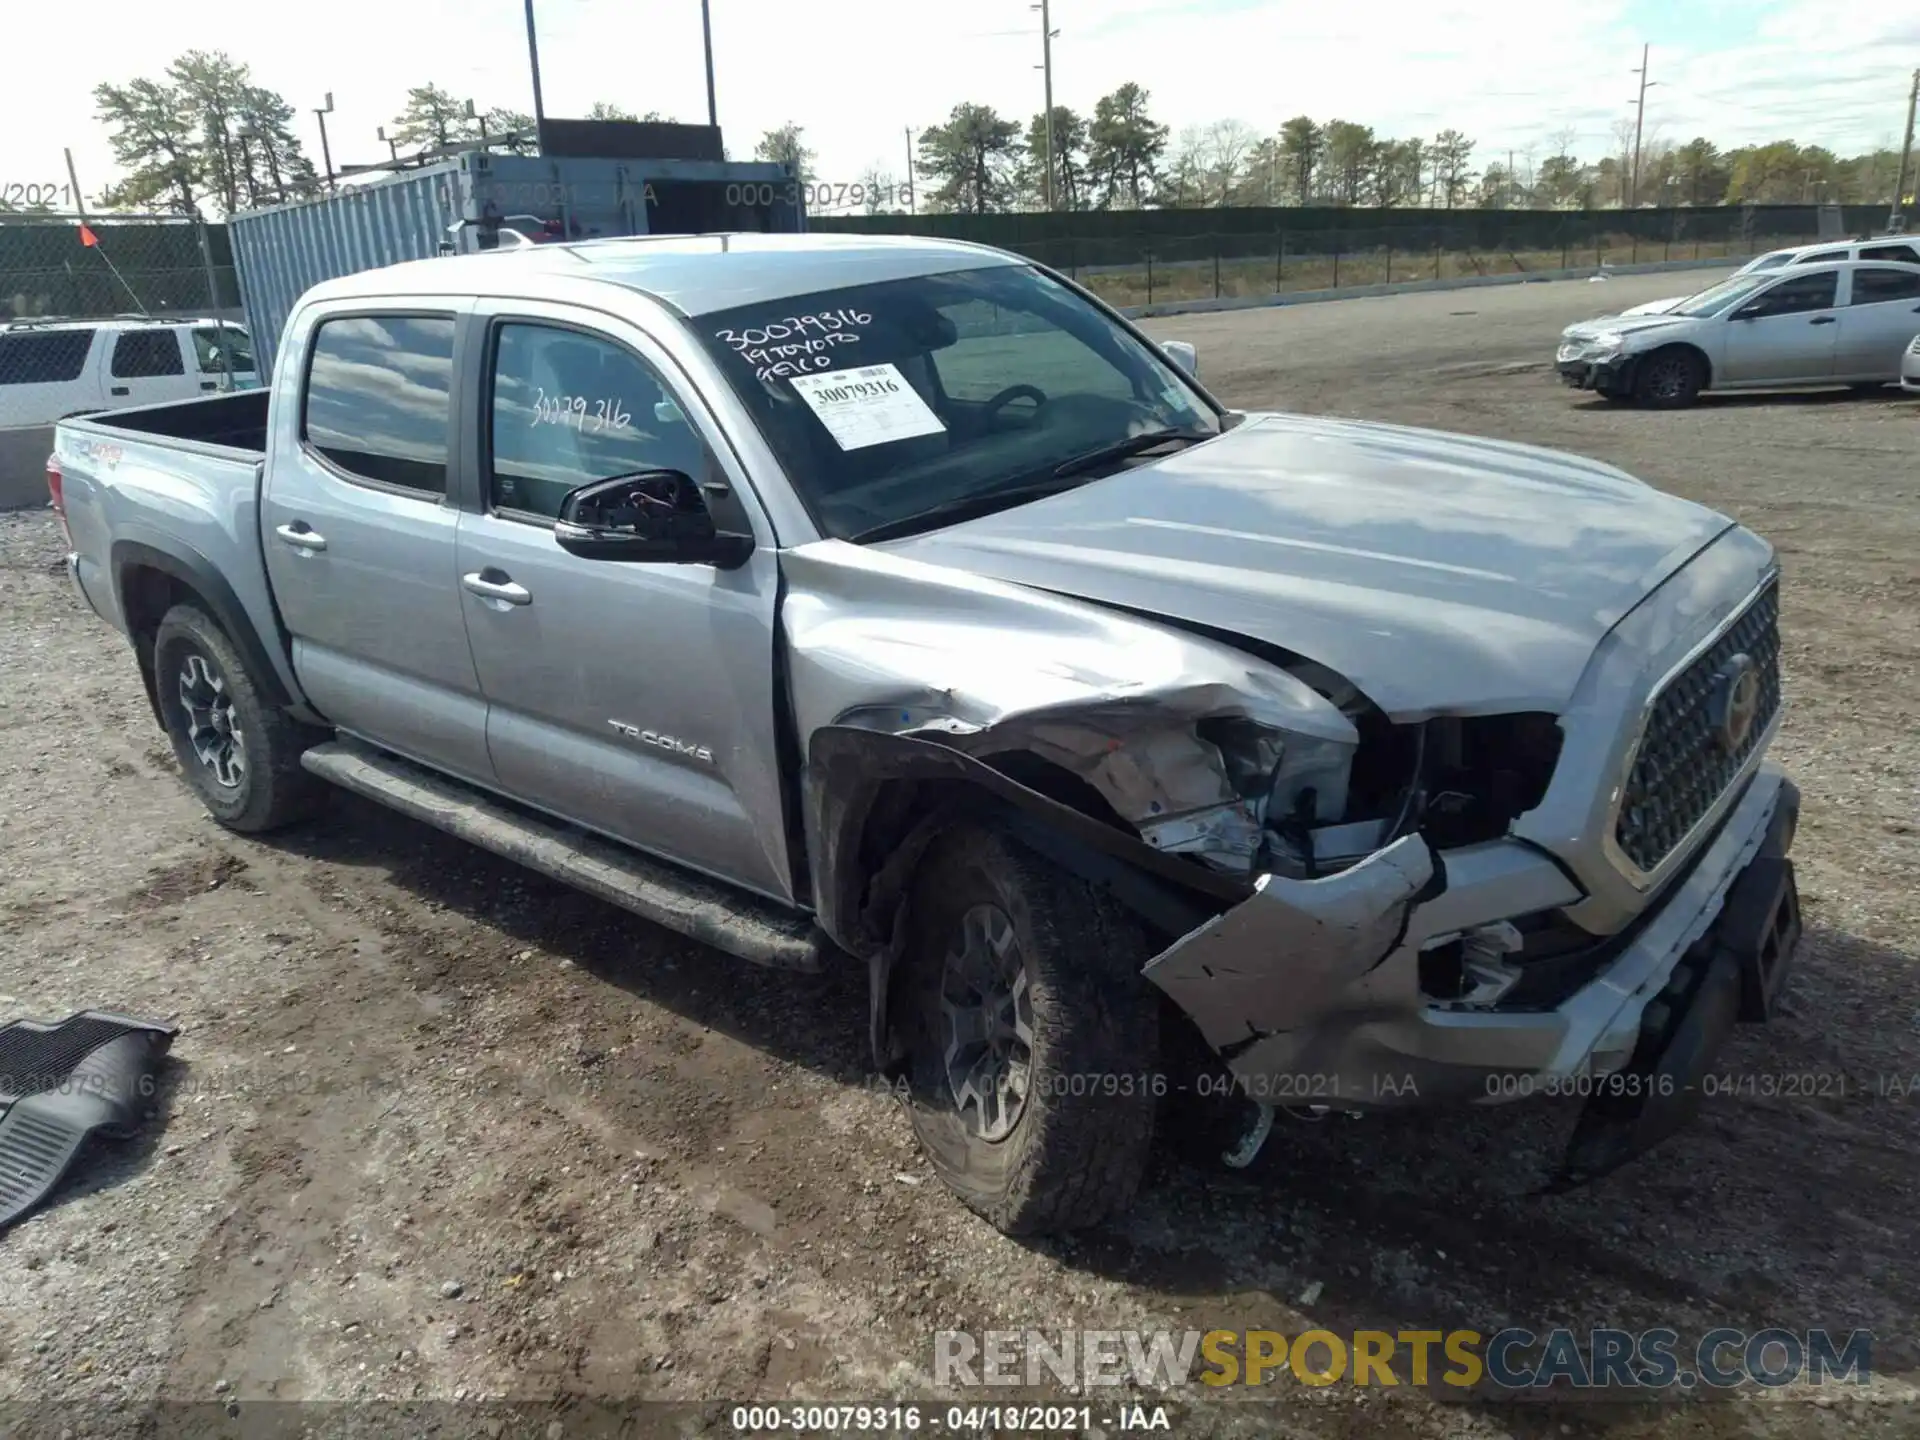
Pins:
x: 1513, y: 74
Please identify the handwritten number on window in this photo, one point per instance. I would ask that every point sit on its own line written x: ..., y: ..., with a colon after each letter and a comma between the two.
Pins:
x: 591, y: 417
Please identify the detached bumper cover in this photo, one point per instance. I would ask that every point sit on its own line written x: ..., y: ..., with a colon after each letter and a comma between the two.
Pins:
x: 1615, y: 374
x: 1310, y: 991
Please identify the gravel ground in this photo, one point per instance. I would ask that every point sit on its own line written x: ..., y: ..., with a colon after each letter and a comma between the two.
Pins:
x: 438, y: 1130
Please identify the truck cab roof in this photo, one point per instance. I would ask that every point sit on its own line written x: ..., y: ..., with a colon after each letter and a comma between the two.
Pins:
x: 694, y: 274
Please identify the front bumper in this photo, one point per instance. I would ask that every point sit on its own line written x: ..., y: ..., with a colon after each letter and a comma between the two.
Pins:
x: 1602, y: 375
x: 1910, y: 373
x: 1310, y: 990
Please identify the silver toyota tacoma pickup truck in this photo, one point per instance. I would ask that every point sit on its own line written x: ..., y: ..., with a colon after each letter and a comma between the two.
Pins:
x: 890, y: 601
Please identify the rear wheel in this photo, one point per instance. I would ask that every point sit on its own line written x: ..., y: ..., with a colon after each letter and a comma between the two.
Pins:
x: 240, y: 755
x: 1670, y: 379
x: 1033, y: 1041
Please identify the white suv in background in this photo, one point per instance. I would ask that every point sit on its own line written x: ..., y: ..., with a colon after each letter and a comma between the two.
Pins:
x: 53, y: 369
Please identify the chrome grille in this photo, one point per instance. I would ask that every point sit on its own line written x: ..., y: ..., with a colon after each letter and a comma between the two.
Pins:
x: 1683, y: 764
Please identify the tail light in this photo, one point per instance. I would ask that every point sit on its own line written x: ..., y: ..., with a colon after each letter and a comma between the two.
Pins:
x: 57, y: 495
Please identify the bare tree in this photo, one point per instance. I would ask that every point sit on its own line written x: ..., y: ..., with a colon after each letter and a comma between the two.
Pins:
x: 1184, y: 182
x: 1224, y: 150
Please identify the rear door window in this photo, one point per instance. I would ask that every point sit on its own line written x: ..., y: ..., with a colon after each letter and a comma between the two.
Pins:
x: 379, y: 398
x: 1871, y: 287
x: 140, y: 354
x: 43, y: 357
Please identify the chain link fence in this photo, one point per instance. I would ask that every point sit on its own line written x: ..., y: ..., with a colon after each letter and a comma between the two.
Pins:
x: 74, y: 267
x: 84, y: 305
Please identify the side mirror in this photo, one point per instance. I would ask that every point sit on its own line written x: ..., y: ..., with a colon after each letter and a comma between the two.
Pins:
x: 1183, y: 355
x: 1751, y: 311
x: 654, y: 517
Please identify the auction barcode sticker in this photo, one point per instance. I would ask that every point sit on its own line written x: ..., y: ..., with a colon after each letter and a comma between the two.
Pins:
x: 867, y: 406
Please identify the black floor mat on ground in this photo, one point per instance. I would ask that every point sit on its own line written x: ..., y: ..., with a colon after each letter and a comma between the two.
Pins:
x: 60, y: 1084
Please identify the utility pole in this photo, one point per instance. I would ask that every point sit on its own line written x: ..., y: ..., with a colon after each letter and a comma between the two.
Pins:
x: 1509, y: 179
x: 706, y: 34
x: 1639, y: 118
x: 1898, y: 210
x: 326, y: 154
x: 533, y: 62
x: 913, y: 204
x: 1047, y: 32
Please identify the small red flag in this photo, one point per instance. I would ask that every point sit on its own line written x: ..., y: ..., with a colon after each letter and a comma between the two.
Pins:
x: 88, y: 238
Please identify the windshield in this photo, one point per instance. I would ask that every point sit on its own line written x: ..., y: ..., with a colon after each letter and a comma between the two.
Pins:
x: 1726, y: 293
x: 941, y: 393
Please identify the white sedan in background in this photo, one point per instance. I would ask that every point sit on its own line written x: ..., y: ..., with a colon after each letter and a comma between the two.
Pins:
x: 1900, y: 250
x: 1810, y: 325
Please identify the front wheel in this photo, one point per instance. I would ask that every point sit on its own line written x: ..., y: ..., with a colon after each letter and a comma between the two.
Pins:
x: 240, y: 755
x: 1033, y: 1041
x: 1670, y: 379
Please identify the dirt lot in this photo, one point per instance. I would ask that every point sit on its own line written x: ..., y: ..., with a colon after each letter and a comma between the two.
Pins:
x: 441, y: 1130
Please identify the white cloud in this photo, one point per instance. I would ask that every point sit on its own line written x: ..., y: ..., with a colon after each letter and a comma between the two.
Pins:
x: 1506, y: 73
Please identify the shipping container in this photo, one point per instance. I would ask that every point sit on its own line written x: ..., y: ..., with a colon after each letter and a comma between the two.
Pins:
x: 461, y: 204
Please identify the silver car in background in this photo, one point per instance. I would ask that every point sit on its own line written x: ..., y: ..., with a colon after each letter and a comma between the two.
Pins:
x: 1810, y: 325
x: 1896, y: 248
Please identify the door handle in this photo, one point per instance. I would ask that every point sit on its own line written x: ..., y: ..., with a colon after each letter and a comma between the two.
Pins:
x: 118, y: 390
x: 209, y: 385
x: 1824, y: 320
x: 301, y: 536
x: 491, y: 584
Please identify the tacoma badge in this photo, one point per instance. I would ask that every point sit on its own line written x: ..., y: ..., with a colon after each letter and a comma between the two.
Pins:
x: 668, y: 743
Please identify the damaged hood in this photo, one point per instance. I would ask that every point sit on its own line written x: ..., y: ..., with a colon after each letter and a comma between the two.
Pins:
x: 1439, y: 573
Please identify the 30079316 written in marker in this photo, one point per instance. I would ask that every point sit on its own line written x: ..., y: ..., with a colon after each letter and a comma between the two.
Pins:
x: 16, y: 194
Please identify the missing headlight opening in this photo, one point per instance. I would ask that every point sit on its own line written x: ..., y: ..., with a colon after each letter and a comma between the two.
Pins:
x: 1304, y: 808
x: 1453, y: 780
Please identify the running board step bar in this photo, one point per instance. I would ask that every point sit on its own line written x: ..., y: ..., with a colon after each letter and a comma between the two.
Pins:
x: 703, y: 909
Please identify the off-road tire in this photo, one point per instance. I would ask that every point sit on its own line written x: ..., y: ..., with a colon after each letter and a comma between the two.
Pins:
x: 1080, y: 1144
x: 272, y: 789
x: 1669, y: 379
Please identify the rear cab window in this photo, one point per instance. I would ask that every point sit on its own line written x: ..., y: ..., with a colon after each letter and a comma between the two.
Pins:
x: 378, y: 401
x: 43, y: 357
x: 1906, y: 254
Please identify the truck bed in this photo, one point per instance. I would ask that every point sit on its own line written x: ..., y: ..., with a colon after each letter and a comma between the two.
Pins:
x: 164, y: 500
x: 231, y: 422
